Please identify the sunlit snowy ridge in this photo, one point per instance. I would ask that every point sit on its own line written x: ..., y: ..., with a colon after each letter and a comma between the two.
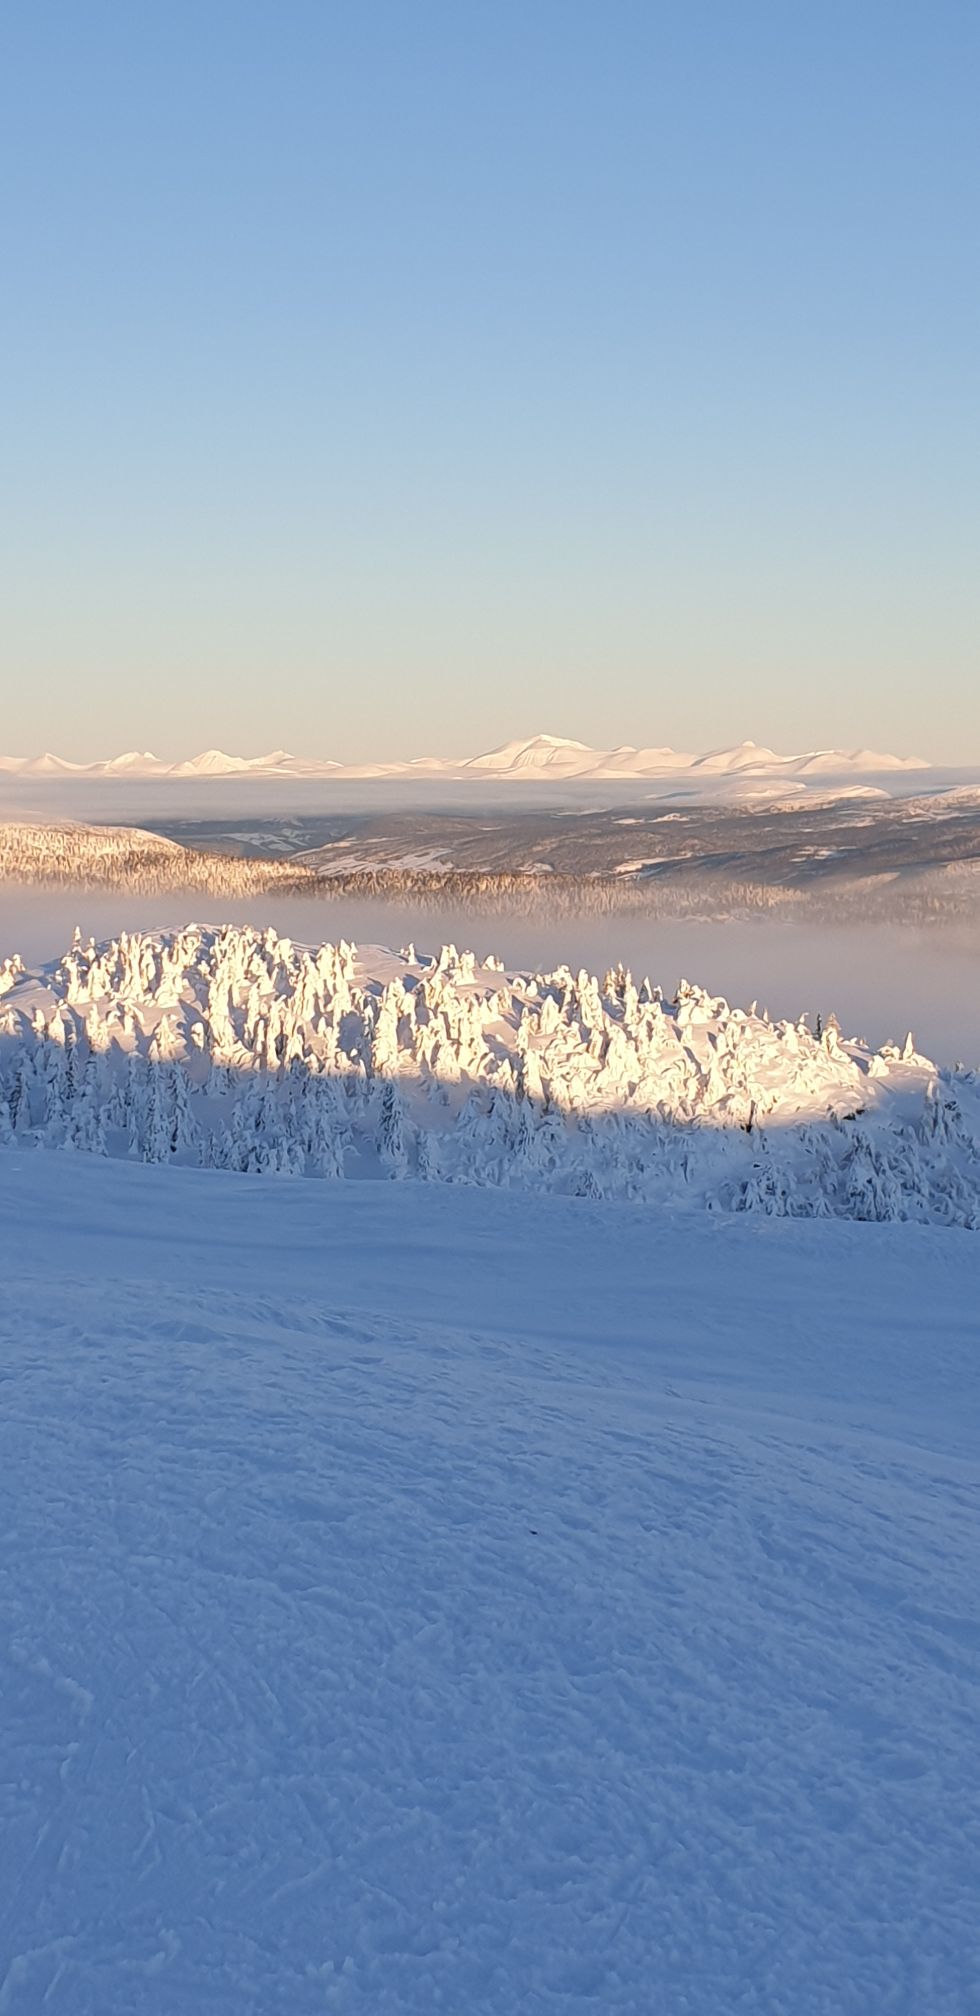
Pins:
x: 911, y: 864
x: 552, y: 756
x: 236, y: 1049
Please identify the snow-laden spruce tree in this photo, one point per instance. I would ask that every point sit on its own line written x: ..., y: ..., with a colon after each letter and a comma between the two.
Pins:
x: 85, y: 1125
x: 322, y: 1126
x: 392, y: 1147
x: 871, y: 1191
x: 159, y: 1125
x: 20, y: 1100
x: 428, y: 1157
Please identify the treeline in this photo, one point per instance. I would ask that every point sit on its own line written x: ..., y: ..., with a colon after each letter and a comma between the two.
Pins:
x: 238, y: 1050
x: 706, y: 897
x: 127, y: 859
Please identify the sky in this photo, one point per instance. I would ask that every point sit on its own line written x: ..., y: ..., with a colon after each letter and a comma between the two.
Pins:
x: 391, y: 380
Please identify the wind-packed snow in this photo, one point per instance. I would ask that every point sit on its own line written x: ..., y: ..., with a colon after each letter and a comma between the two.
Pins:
x: 236, y: 1049
x: 427, y: 1599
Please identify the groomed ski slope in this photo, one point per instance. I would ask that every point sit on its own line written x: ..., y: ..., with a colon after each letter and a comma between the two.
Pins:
x: 422, y: 1599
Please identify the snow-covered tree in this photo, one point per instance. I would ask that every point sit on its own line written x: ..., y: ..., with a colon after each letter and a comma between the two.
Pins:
x: 391, y: 1133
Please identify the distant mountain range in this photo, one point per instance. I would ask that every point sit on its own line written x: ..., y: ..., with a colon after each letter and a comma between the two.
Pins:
x: 536, y: 758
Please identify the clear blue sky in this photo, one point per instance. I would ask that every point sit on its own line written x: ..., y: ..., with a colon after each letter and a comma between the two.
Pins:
x: 387, y: 379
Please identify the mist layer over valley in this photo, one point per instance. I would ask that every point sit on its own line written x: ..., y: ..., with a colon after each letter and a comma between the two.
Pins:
x: 867, y: 908
x: 880, y: 982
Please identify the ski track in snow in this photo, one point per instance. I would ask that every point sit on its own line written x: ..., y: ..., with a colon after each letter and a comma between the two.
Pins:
x: 447, y: 1600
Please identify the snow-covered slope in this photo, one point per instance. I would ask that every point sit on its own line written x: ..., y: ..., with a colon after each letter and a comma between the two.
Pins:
x: 424, y: 1600
x: 71, y: 853
x: 215, y: 763
x: 527, y: 759
x: 50, y: 765
x: 136, y: 763
x: 746, y: 758
x: 29, y: 844
x: 236, y: 1049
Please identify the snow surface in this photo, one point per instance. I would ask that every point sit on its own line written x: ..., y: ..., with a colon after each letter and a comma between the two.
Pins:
x: 436, y: 1599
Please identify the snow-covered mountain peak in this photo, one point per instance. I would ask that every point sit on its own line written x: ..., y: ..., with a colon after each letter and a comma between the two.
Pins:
x: 135, y: 759
x: 50, y: 765
x: 537, y: 752
x: 211, y: 763
x: 526, y: 760
x: 741, y: 756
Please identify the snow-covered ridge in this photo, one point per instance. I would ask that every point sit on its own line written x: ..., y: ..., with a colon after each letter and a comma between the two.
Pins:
x: 69, y: 852
x: 533, y: 757
x: 237, y: 1049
